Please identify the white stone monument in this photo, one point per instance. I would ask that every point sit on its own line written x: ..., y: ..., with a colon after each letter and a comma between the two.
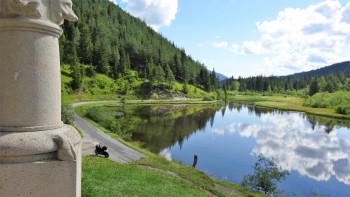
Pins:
x: 39, y: 155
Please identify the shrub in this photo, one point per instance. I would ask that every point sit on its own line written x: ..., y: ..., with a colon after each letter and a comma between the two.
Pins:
x: 266, y: 176
x: 95, y: 115
x: 339, y: 101
x: 108, y: 122
x: 345, y: 110
x: 207, y: 98
x: 67, y: 115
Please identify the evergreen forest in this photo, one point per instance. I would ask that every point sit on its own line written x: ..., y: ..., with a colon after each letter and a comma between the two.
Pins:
x: 108, y: 53
x: 109, y: 46
x: 329, y: 79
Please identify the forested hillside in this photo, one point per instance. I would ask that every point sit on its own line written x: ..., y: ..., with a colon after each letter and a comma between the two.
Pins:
x: 338, y: 68
x: 328, y: 79
x: 107, y: 44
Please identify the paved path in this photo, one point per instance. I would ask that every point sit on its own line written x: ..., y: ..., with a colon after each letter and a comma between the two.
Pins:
x: 92, y: 136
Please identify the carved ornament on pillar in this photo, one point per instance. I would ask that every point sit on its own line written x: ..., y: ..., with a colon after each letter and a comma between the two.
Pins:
x: 55, y: 11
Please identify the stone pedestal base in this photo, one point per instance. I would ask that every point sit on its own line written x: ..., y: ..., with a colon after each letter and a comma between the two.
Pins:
x: 48, y: 178
x: 45, y: 163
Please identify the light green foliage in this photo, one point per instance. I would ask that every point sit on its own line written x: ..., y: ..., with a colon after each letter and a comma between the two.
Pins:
x: 185, y: 88
x: 100, y: 84
x: 65, y: 80
x: 265, y: 177
x: 67, y: 115
x: 108, y: 122
x: 338, y: 100
x: 128, y: 83
x: 235, y: 85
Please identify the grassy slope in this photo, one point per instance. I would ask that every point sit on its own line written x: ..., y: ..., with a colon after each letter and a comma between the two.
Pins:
x: 103, y: 177
x: 101, y: 87
x: 153, y: 176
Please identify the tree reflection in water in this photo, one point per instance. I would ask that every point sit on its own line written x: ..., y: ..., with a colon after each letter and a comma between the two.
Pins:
x: 309, y: 145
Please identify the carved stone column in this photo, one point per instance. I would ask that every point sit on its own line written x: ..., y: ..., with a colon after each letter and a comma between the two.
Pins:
x: 39, y: 155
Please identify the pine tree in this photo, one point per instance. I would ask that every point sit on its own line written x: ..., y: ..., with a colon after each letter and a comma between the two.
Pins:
x: 159, y: 74
x: 115, y: 62
x: 314, y: 88
x: 169, y: 75
x: 85, y: 46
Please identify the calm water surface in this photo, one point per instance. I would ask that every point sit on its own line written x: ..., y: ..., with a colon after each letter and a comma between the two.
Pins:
x: 227, y: 140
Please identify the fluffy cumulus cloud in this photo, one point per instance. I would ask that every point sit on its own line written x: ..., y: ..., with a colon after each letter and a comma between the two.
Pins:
x: 156, y: 13
x: 290, y: 141
x: 295, y: 147
x: 302, y: 39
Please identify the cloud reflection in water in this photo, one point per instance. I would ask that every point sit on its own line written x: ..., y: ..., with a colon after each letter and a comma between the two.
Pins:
x: 295, y: 146
x: 166, y: 154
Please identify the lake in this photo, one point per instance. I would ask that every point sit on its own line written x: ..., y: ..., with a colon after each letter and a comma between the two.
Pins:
x: 228, y: 139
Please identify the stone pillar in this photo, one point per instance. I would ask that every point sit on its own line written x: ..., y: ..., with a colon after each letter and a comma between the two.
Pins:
x: 39, y: 155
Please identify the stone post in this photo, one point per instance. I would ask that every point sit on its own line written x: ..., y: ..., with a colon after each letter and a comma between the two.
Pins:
x: 39, y: 155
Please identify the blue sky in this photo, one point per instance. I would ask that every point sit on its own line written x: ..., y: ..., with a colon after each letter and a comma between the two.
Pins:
x: 252, y: 37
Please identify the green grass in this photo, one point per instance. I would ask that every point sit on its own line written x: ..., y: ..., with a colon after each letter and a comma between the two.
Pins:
x: 239, y: 190
x: 152, y: 176
x: 185, y: 172
x: 102, y: 177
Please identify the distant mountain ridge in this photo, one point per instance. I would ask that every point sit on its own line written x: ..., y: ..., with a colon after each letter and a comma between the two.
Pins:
x: 331, y: 78
x: 221, y: 77
x: 342, y: 67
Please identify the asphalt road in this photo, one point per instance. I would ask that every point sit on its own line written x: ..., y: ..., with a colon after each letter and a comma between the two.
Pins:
x: 117, y: 151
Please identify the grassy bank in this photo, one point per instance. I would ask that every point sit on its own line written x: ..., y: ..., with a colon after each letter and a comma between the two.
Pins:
x: 153, y: 176
x: 102, y: 177
x: 286, y: 103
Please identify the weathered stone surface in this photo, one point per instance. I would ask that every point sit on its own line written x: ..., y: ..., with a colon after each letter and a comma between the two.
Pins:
x: 39, y: 155
x: 53, y: 10
x: 56, y: 144
x: 47, y: 178
x: 30, y: 83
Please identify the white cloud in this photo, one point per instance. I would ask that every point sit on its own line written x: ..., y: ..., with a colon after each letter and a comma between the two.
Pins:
x: 302, y: 39
x: 218, y: 131
x: 251, y: 47
x: 346, y: 13
x: 295, y: 147
x: 114, y: 1
x: 235, y: 48
x: 166, y: 154
x: 223, y: 44
x: 156, y: 13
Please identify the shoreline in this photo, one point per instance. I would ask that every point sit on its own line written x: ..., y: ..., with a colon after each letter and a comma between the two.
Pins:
x: 287, y: 104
